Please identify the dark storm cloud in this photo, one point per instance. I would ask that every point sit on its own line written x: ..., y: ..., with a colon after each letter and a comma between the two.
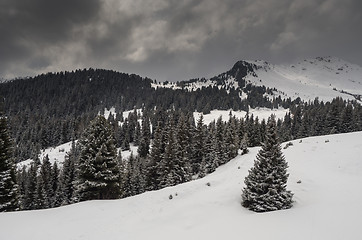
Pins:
x: 173, y: 40
x: 29, y: 27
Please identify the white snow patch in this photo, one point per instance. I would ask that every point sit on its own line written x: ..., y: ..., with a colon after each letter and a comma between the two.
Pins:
x: 25, y: 163
x: 126, y: 113
x: 56, y: 154
x: 170, y: 85
x: 126, y: 154
x: 108, y: 112
x: 261, y: 113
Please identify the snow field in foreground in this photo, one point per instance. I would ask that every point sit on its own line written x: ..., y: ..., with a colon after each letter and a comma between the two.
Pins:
x: 328, y: 204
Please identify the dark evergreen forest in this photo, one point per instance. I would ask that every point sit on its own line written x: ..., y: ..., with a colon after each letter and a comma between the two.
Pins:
x: 54, y: 108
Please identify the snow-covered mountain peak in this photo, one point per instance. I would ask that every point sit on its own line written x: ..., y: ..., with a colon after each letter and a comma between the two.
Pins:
x: 321, y: 77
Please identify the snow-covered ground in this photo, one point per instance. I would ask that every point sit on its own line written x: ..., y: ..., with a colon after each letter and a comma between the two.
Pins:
x: 328, y: 204
x: 132, y: 150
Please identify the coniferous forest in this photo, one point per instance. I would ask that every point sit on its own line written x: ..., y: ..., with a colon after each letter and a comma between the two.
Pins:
x: 173, y: 146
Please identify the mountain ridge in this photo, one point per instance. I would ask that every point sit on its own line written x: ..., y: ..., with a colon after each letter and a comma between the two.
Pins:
x: 321, y: 77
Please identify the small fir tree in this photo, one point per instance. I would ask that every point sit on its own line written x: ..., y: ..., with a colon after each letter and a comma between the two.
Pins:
x: 266, y: 183
x: 244, y: 144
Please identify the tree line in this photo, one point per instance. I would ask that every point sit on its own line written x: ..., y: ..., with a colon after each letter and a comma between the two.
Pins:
x: 176, y: 151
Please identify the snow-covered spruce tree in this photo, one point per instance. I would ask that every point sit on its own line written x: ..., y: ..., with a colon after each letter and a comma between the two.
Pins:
x: 9, y: 200
x: 266, y: 183
x: 98, y: 173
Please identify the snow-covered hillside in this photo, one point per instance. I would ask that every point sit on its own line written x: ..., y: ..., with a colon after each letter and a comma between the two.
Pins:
x: 328, y: 203
x: 322, y: 77
x: 325, y: 78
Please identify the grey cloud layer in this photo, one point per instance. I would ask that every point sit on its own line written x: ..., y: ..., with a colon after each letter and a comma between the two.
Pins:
x: 172, y: 40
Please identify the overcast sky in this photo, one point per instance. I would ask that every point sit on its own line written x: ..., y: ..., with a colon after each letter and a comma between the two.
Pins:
x: 173, y: 40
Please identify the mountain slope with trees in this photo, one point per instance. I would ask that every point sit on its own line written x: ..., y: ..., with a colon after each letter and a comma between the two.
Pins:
x: 55, y: 108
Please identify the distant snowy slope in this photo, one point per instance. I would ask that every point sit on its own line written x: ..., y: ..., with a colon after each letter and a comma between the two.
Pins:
x: 327, y: 204
x: 325, y: 78
x: 322, y: 77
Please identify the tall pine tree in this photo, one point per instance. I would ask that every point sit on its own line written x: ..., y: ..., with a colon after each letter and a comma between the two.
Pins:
x: 98, y: 174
